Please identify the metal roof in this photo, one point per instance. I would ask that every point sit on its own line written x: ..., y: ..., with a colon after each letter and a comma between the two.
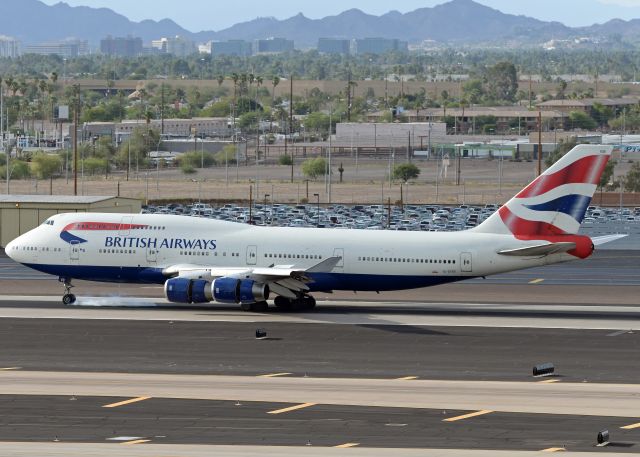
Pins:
x: 64, y: 199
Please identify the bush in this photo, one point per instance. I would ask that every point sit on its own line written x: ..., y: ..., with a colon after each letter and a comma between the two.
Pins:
x: 285, y: 160
x: 187, y: 168
x: 314, y: 167
x: 227, y: 155
x: 195, y: 159
x: 406, y: 171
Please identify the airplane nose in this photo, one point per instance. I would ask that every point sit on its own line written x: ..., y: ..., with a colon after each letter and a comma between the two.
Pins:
x: 11, y: 249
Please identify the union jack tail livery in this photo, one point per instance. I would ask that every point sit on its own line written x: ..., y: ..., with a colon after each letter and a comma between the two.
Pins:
x: 552, y: 207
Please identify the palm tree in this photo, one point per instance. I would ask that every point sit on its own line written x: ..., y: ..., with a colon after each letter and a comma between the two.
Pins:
x: 234, y: 77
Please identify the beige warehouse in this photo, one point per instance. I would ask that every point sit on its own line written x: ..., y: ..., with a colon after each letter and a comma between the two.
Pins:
x: 21, y: 213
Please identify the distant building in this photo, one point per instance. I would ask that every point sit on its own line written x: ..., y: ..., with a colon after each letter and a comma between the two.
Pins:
x: 334, y: 46
x: 239, y: 48
x: 9, y: 47
x: 379, y: 45
x: 67, y: 48
x: 121, y: 46
x: 177, y: 46
x: 272, y: 46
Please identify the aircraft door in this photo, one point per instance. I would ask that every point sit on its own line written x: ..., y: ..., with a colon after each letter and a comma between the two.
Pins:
x: 152, y: 255
x: 74, y: 251
x: 465, y: 262
x: 339, y: 252
x: 125, y: 225
x: 252, y: 255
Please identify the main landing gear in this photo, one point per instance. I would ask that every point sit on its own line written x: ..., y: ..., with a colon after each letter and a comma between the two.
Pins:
x: 302, y: 303
x: 68, y: 298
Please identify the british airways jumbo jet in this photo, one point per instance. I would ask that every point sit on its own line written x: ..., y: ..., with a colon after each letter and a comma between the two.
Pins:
x: 201, y: 260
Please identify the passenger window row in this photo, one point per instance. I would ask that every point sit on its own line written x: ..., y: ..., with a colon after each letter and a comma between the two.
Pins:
x: 404, y: 260
x: 293, y: 256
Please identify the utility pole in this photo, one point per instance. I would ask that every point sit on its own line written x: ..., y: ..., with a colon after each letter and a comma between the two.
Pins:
x: 539, y: 142
x: 291, y: 120
x: 349, y: 98
x: 162, y: 109
x: 76, y: 88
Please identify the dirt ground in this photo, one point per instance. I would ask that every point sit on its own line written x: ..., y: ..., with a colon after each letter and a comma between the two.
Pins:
x: 366, y: 182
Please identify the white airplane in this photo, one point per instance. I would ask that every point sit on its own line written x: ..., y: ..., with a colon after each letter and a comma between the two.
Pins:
x: 202, y: 260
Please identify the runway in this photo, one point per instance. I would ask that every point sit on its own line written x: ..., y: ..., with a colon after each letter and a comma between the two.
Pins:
x: 372, y: 350
x: 378, y: 375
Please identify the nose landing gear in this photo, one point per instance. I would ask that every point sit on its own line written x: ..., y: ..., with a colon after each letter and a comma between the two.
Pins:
x: 68, y: 298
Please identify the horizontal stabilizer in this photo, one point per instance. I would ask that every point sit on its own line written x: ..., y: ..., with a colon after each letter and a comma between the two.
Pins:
x: 598, y: 240
x: 539, y: 250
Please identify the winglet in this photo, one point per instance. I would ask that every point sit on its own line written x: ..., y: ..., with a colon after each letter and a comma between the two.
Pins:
x: 326, y: 266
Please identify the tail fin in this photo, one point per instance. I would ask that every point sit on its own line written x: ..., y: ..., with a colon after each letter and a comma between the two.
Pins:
x: 554, y: 203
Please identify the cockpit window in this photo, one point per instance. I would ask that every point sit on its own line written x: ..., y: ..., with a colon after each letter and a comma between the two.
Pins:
x: 48, y: 222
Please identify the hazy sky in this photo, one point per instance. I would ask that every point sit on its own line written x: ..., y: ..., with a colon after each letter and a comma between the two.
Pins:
x: 197, y: 15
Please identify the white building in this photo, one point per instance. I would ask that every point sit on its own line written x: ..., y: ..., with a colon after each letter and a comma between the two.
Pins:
x: 9, y: 47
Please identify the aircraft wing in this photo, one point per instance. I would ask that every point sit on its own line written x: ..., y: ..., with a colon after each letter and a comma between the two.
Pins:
x: 285, y: 280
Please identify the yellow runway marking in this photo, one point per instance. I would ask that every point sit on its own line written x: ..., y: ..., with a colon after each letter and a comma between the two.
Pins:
x: 407, y: 378
x: 291, y: 408
x: 536, y: 281
x: 467, y: 416
x: 346, y: 445
x: 10, y: 368
x: 273, y: 375
x: 125, y: 402
x: 631, y: 427
x: 554, y: 449
x: 128, y: 443
x: 548, y: 381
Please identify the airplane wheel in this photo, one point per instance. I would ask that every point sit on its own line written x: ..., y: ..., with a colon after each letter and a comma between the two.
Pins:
x: 245, y: 307
x: 310, y: 302
x: 68, y: 299
x: 281, y: 302
x: 259, y: 307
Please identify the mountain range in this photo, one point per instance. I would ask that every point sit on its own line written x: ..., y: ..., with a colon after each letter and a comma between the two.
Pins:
x: 455, y: 22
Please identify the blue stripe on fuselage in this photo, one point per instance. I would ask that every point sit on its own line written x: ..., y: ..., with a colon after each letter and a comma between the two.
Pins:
x: 322, y: 281
x: 573, y: 205
x: 71, y: 239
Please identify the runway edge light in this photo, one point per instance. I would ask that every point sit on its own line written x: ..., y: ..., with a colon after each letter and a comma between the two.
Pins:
x: 603, y: 437
x: 543, y: 369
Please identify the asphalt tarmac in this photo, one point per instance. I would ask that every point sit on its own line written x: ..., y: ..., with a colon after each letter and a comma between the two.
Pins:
x: 318, y: 350
x: 179, y: 421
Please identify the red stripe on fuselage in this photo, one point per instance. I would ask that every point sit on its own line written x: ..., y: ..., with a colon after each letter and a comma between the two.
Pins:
x: 96, y: 226
x: 584, y: 171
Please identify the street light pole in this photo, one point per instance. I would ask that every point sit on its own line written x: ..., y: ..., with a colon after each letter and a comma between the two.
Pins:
x: 318, y: 207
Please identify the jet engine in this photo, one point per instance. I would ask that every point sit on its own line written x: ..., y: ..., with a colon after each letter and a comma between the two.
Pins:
x: 221, y: 290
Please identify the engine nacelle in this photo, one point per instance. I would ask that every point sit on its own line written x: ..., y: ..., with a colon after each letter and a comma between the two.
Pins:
x: 252, y: 292
x: 231, y: 290
x: 187, y: 291
x: 222, y: 290
x: 226, y: 290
